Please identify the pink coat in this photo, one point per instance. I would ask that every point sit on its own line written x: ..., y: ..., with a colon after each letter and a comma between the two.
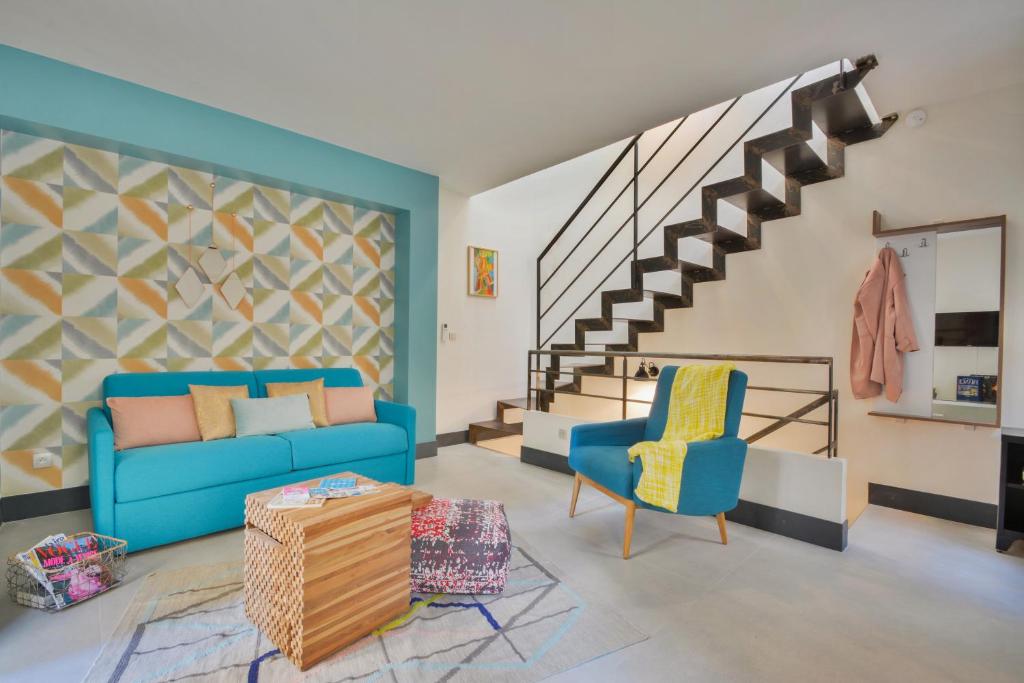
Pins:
x: 882, y: 330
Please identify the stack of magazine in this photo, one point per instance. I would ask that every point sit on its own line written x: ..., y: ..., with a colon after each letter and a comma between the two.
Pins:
x: 293, y: 497
x: 54, y: 564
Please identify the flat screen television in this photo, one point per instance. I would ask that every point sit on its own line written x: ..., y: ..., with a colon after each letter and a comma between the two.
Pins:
x: 973, y: 328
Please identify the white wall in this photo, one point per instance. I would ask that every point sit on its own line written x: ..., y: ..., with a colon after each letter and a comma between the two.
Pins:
x: 486, y: 361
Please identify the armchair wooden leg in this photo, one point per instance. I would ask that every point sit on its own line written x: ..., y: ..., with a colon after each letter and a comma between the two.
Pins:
x: 630, y: 511
x: 721, y: 527
x: 575, y: 493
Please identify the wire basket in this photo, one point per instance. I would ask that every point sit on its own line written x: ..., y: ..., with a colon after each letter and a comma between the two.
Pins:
x: 51, y: 587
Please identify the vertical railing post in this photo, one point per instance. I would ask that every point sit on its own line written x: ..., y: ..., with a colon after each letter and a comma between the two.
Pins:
x: 538, y: 305
x: 624, y: 390
x: 636, y: 196
x: 529, y: 380
x: 835, y: 428
x: 831, y: 412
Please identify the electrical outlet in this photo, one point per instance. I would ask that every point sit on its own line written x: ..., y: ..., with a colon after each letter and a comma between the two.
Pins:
x: 41, y: 459
x: 563, y: 434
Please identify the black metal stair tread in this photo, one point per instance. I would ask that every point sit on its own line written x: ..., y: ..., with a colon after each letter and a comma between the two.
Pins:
x: 834, y: 105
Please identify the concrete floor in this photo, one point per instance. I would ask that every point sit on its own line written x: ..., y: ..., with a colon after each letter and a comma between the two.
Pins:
x: 912, y: 598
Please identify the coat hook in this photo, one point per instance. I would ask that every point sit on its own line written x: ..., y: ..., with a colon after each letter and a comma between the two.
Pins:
x: 905, y: 253
x: 924, y: 242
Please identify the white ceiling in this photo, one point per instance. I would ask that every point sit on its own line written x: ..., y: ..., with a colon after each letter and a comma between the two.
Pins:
x: 480, y: 92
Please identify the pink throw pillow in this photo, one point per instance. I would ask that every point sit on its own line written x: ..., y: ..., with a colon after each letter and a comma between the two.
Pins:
x: 152, y: 420
x: 349, y: 404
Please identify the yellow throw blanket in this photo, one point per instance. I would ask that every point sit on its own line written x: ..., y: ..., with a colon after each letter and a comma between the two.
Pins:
x: 696, y: 412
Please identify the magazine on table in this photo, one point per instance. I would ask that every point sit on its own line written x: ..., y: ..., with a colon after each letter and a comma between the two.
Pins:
x: 322, y: 492
x: 294, y: 497
x: 338, y: 483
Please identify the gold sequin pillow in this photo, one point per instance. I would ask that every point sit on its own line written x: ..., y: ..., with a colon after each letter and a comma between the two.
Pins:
x: 314, y: 389
x: 213, y: 409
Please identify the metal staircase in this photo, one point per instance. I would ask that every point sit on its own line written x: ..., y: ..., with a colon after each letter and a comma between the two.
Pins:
x: 826, y: 115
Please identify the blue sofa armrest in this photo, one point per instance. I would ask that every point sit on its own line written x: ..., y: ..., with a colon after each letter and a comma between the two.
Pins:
x: 712, y: 473
x: 618, y: 433
x: 101, y: 470
x: 403, y: 416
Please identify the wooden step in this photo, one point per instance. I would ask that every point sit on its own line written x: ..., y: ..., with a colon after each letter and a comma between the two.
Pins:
x: 493, y: 429
x: 513, y: 404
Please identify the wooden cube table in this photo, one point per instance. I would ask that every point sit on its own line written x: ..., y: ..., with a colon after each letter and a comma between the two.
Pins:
x: 319, y: 579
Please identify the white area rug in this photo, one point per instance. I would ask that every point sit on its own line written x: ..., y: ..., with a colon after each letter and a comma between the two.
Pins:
x: 190, y: 625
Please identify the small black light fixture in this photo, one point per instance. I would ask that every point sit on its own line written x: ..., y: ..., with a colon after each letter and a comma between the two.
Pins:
x: 652, y: 369
x: 641, y: 372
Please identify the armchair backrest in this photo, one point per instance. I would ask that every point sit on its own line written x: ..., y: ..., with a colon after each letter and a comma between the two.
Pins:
x: 659, y: 409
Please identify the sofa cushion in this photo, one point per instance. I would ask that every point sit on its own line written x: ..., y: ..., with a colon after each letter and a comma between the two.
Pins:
x: 344, y: 443
x: 312, y: 390
x: 213, y: 409
x: 349, y: 404
x: 152, y: 420
x: 271, y: 415
x: 173, y: 468
x: 609, y: 466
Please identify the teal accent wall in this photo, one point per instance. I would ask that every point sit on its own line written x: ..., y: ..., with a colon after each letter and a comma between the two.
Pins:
x: 47, y: 97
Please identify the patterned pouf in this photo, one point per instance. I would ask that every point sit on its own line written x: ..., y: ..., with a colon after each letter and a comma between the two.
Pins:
x: 460, y: 546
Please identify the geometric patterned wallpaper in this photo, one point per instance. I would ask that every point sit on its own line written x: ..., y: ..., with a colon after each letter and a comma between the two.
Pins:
x: 92, y: 244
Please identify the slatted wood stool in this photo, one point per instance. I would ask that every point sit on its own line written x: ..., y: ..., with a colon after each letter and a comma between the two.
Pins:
x: 319, y: 579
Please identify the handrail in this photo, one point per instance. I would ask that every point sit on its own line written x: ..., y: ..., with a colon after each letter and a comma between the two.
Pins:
x: 739, y: 139
x: 632, y: 181
x: 633, y: 216
x: 820, y: 398
x: 590, y: 195
x: 750, y: 357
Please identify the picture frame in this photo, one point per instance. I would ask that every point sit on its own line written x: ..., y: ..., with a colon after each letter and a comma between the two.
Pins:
x: 482, y: 272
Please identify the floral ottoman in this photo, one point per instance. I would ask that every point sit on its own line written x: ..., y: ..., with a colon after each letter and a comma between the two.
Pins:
x: 460, y: 546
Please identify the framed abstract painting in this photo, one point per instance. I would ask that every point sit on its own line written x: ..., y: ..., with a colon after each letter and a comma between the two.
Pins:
x: 483, y: 272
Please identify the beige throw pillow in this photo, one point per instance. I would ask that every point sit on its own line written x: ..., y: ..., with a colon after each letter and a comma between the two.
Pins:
x: 213, y: 409
x: 314, y: 389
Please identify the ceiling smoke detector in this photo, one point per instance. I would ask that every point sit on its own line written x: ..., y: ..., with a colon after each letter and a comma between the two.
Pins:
x: 916, y: 118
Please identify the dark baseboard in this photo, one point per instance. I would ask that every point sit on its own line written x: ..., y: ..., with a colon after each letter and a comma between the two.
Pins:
x: 427, y: 449
x: 452, y: 438
x: 44, y: 503
x: 813, y: 530
x: 934, y: 505
x: 831, y: 535
x: 545, y: 459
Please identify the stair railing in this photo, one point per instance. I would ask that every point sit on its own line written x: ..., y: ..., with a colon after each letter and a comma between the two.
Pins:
x: 822, y: 398
x: 632, y: 145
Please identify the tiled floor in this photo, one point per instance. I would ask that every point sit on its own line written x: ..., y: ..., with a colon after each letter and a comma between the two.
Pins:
x: 912, y: 599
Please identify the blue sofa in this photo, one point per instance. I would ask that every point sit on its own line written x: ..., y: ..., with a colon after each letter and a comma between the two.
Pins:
x: 161, y: 494
x: 712, y: 471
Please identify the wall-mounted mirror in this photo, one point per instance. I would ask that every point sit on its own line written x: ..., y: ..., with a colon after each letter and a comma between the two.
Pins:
x: 955, y: 278
x: 968, y: 291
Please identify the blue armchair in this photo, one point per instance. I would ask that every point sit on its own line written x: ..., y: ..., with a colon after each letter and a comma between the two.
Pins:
x: 711, y: 473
